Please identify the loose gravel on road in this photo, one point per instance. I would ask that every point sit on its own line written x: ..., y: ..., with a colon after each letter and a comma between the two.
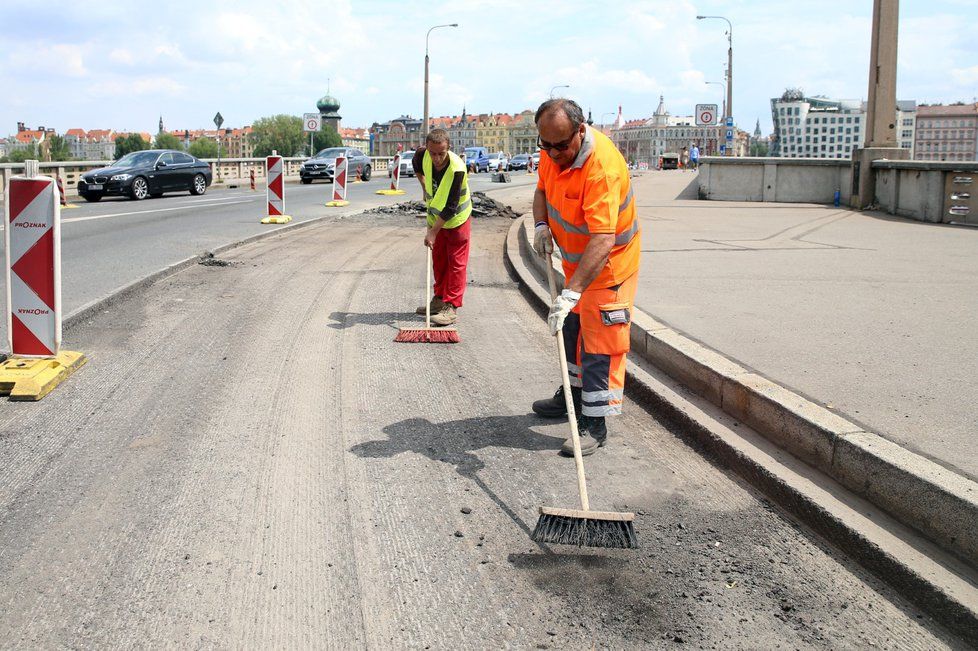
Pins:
x: 249, y: 461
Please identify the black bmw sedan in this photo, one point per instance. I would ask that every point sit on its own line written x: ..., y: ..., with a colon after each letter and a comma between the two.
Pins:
x: 149, y: 173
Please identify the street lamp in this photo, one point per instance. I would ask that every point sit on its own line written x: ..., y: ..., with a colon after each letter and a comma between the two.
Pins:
x: 603, y: 123
x: 729, y: 111
x: 556, y: 87
x: 424, y: 126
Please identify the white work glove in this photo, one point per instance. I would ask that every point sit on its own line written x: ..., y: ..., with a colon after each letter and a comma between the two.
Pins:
x: 562, y: 306
x: 543, y: 241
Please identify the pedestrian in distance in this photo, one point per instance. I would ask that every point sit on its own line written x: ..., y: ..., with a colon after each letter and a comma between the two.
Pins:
x: 684, y: 159
x: 694, y: 157
x: 583, y: 203
x: 445, y: 184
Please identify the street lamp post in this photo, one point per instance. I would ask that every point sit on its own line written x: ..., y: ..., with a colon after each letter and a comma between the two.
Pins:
x: 603, y: 123
x: 424, y: 126
x: 556, y: 87
x: 729, y: 111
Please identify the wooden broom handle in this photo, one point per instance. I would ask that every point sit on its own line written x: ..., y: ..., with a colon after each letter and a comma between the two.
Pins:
x: 427, y: 293
x: 568, y: 396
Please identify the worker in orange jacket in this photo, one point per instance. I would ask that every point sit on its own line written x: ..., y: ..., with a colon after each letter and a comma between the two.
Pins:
x: 583, y: 203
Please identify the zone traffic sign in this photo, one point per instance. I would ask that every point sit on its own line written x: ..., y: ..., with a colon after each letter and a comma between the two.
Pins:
x: 706, y: 115
x: 311, y: 122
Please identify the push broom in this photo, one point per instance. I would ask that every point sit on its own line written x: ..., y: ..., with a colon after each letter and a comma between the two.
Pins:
x: 427, y: 335
x: 584, y: 527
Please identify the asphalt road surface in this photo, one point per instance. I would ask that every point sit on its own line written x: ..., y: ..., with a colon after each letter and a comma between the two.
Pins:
x: 109, y: 244
x: 249, y: 461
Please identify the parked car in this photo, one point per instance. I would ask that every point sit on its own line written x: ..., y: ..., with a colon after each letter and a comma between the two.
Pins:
x: 535, y: 157
x: 519, y: 162
x: 148, y: 173
x: 476, y: 159
x: 322, y: 165
x: 498, y: 162
x: 407, y: 165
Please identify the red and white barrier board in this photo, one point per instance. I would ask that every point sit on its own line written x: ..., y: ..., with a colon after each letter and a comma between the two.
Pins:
x: 276, y: 186
x: 33, y: 248
x: 396, y: 173
x: 340, y: 178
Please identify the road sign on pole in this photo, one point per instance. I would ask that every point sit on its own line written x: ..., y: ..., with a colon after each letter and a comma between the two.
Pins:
x: 729, y: 121
x: 311, y: 122
x: 706, y: 115
x: 218, y: 120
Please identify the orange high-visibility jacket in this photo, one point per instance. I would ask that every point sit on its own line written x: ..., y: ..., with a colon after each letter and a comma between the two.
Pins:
x: 593, y: 195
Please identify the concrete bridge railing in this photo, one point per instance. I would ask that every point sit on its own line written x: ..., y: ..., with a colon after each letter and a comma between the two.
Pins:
x: 939, y: 192
x: 230, y: 170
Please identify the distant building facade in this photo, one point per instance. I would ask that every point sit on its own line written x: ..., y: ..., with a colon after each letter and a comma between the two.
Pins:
x: 947, y: 133
x: 645, y: 140
x: 819, y: 127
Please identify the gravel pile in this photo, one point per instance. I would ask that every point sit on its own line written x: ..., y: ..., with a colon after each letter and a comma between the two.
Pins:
x: 482, y: 206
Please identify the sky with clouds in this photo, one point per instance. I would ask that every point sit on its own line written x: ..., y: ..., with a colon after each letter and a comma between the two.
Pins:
x: 120, y: 65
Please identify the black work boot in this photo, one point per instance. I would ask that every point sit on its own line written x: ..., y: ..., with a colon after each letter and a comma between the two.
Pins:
x: 593, y: 434
x: 556, y: 407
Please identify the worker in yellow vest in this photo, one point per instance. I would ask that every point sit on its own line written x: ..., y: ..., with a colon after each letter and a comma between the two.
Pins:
x: 445, y: 183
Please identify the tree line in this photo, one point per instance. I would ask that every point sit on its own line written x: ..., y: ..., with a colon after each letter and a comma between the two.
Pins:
x: 281, y: 133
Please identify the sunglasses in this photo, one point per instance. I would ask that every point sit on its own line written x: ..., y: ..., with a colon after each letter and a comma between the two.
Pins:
x: 559, y: 146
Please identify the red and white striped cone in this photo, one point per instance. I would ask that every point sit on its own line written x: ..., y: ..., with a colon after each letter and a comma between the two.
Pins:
x: 358, y: 178
x: 339, y: 183
x: 252, y: 175
x: 275, y: 191
x: 395, y: 177
x: 33, y: 247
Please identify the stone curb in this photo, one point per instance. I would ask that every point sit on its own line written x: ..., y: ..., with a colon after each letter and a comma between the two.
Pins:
x: 883, y: 473
x: 938, y: 502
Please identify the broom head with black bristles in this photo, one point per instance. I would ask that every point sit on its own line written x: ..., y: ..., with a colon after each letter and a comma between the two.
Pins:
x: 427, y: 336
x: 585, y: 528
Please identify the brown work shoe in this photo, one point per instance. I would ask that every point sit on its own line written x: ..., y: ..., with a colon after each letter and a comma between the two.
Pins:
x: 436, y: 305
x: 445, y: 317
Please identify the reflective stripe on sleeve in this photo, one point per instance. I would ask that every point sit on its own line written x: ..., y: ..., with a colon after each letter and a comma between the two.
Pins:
x: 626, y: 237
x: 628, y: 201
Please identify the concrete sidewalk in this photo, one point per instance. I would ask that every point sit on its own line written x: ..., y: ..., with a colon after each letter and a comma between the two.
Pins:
x: 873, y: 317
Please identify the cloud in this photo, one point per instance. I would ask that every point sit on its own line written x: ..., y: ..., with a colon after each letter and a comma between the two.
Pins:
x: 61, y: 60
x: 162, y: 86
x: 966, y: 76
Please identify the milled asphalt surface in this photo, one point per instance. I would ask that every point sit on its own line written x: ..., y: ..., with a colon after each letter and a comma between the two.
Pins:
x: 114, y: 242
x: 249, y: 461
x: 874, y: 316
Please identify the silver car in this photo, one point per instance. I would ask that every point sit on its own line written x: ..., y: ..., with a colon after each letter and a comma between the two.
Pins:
x: 322, y: 165
x: 407, y: 166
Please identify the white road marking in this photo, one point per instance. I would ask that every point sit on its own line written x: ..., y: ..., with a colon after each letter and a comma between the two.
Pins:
x: 146, y: 212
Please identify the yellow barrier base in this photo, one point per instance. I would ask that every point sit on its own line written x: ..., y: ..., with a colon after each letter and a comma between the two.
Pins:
x: 68, y: 206
x: 276, y: 219
x: 389, y: 192
x: 27, y: 378
x: 337, y: 204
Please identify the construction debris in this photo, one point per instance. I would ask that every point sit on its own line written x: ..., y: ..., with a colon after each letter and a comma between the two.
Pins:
x: 482, y: 206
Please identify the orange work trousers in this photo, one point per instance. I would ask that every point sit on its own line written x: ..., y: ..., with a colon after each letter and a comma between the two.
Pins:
x: 596, y: 338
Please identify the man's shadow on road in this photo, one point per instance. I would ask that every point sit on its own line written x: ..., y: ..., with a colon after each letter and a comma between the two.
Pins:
x: 344, y: 320
x: 456, y: 441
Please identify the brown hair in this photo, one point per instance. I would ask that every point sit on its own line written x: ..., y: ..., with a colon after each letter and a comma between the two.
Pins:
x: 437, y: 136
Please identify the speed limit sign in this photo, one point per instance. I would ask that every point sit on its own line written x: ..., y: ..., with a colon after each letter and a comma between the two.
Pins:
x: 706, y: 115
x: 310, y: 122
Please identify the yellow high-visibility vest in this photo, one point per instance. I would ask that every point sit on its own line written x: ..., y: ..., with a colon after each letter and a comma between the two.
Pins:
x: 436, y: 203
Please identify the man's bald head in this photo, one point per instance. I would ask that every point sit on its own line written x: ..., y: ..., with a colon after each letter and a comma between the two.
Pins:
x: 560, y: 125
x: 560, y: 107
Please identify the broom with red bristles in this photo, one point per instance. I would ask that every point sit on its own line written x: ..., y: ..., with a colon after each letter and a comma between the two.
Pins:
x: 427, y: 335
